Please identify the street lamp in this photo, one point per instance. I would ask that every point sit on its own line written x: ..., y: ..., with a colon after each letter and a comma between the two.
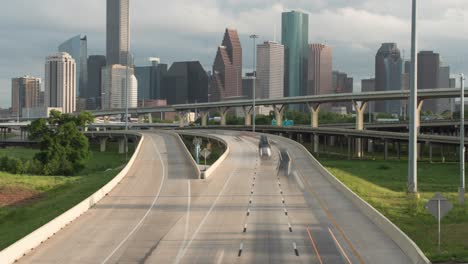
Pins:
x: 254, y: 38
x: 414, y: 119
x: 462, y: 140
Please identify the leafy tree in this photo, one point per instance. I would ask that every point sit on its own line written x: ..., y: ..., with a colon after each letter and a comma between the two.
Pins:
x: 63, y: 148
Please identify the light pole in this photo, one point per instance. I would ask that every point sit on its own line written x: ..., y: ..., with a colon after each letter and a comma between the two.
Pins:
x: 254, y: 38
x: 413, y: 102
x: 462, y: 140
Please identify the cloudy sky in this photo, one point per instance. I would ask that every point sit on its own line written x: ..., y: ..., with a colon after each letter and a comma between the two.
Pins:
x: 191, y: 30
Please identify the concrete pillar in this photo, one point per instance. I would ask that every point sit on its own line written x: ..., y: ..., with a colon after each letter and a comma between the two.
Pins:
x: 223, y: 112
x: 279, y: 111
x: 248, y: 110
x: 204, y: 118
x: 150, y: 118
x: 316, y: 143
x: 418, y: 115
x: 430, y: 152
x: 349, y: 148
x: 360, y: 109
x: 182, y: 117
x: 386, y: 150
x: 103, y: 142
x: 122, y: 145
x: 332, y: 141
x: 314, y: 112
x: 399, y: 150
x: 370, y: 145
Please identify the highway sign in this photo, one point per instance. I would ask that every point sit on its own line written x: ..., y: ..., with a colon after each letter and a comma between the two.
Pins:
x: 205, y: 153
x: 439, y: 207
x: 197, y: 141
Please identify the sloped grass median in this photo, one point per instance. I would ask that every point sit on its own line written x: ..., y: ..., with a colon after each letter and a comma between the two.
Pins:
x: 54, y: 194
x: 383, y: 185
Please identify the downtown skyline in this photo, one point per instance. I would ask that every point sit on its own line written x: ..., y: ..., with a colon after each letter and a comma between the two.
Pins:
x: 163, y: 35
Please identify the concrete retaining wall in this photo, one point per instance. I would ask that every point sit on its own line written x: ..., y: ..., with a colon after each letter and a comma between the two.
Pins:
x: 34, y: 239
x: 401, y: 239
x: 206, y: 174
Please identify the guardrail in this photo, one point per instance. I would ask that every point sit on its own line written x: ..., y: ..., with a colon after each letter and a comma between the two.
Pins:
x: 17, y: 250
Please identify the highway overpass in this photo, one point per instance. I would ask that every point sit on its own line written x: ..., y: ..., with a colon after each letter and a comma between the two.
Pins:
x: 248, y: 211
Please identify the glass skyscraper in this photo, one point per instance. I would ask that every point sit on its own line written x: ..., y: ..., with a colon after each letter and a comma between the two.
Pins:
x: 118, y: 32
x: 388, y: 74
x: 295, y: 38
x: 77, y: 47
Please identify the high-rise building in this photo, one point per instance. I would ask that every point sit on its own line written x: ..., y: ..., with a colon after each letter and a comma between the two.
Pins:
x: 270, y: 70
x: 342, y: 84
x: 25, y: 93
x: 77, y: 47
x: 60, y: 82
x: 248, y: 85
x: 93, y: 93
x: 388, y: 70
x: 295, y: 38
x: 150, y: 80
x: 443, y: 104
x: 227, y: 68
x: 428, y: 76
x: 116, y: 88
x: 185, y: 82
x: 320, y: 70
x: 368, y: 86
x: 118, y: 32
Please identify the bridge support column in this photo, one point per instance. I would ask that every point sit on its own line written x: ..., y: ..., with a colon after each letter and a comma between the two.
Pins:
x: 314, y: 112
x: 359, y: 125
x: 279, y: 112
x: 248, y: 110
x: 223, y: 112
x: 430, y: 152
x: 370, y: 145
x: 102, y: 143
x: 349, y: 148
x: 182, y: 116
x: 141, y: 119
x: 316, y: 140
x: 418, y: 114
x: 399, y: 150
x: 204, y: 118
x: 123, y: 146
x: 386, y: 149
x: 150, y: 118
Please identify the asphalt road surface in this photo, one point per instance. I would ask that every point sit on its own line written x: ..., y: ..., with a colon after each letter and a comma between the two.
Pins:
x: 251, y: 210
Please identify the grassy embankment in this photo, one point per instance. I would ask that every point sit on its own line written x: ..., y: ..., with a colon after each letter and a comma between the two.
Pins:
x: 46, y: 197
x: 217, y: 149
x: 383, y: 185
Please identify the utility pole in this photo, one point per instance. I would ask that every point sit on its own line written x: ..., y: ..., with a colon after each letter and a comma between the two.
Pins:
x: 413, y: 102
x: 462, y: 140
x: 254, y: 38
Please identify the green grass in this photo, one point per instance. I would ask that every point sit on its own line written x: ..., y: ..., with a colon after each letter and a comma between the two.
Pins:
x: 383, y: 185
x: 58, y: 194
x: 217, y: 149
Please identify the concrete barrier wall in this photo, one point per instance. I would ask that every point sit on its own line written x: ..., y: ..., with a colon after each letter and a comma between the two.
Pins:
x: 206, y: 174
x: 189, y: 155
x: 34, y: 239
x: 401, y: 239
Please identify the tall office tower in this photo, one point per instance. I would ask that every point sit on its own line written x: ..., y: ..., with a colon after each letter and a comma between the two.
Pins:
x: 25, y: 92
x: 93, y: 93
x: 60, y: 82
x: 115, y: 90
x: 443, y: 104
x: 185, y: 82
x: 295, y: 38
x: 118, y: 32
x: 388, y: 70
x: 77, y: 47
x: 342, y: 84
x: 270, y: 70
x: 227, y: 68
x: 320, y: 77
x: 150, y: 80
x: 368, y: 86
x: 428, y: 76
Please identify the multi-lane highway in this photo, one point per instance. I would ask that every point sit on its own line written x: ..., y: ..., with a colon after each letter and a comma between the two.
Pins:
x: 247, y: 212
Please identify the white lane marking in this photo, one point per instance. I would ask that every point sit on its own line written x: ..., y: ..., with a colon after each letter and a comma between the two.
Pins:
x: 339, y: 245
x: 147, y: 212
x: 206, y: 217
x: 220, y: 258
x: 187, y: 222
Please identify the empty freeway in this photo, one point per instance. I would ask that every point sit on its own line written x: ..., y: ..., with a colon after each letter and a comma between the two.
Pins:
x: 248, y: 211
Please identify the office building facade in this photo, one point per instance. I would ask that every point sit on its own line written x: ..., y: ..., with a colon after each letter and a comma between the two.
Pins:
x: 295, y: 38
x: 227, y: 68
x: 270, y: 70
x: 428, y: 77
x: 185, y: 82
x: 118, y: 32
x: 388, y: 74
x: 93, y: 92
x: 150, y: 80
x: 118, y: 83
x: 25, y: 93
x: 77, y: 47
x: 60, y: 82
x: 320, y: 69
